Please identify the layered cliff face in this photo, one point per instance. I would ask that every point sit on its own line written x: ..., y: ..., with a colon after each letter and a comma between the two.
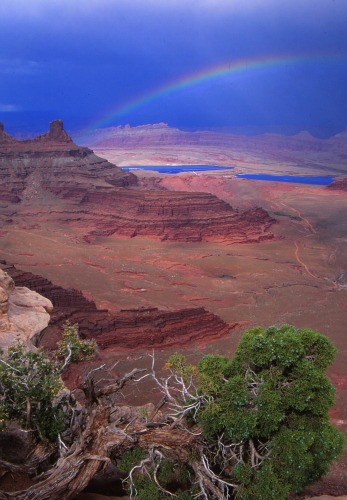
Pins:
x: 50, y: 160
x: 128, y: 329
x: 23, y: 313
x: 50, y: 179
x: 175, y: 216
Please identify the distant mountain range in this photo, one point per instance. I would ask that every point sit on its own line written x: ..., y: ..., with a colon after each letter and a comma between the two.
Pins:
x: 163, y: 134
x: 299, y: 154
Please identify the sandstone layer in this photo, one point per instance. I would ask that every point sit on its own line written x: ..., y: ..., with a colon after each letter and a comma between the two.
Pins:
x: 51, y: 160
x: 51, y: 180
x: 23, y: 313
x: 127, y: 329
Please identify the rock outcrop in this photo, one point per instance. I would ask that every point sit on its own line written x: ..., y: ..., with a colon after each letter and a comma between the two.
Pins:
x: 51, y: 179
x: 55, y: 139
x: 127, y: 329
x: 52, y: 161
x: 55, y: 134
x: 23, y: 313
x: 175, y: 216
x: 338, y: 185
x: 4, y: 136
x: 148, y: 328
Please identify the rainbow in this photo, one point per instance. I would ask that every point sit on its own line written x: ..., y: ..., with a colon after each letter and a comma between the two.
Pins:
x: 207, y: 74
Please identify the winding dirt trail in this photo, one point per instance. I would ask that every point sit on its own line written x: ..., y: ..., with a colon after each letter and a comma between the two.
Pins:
x: 296, y: 253
x: 307, y: 222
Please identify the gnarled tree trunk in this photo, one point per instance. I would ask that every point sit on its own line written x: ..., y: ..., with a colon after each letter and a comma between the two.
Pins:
x: 98, y: 441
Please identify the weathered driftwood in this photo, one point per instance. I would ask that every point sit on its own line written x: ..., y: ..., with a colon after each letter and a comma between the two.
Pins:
x: 98, y: 441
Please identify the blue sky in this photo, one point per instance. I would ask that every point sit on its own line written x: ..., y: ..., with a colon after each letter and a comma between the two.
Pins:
x: 82, y: 60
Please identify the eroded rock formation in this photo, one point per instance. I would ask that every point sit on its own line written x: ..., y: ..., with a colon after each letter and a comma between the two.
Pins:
x: 176, y: 216
x: 127, y: 329
x: 4, y: 136
x: 49, y: 178
x: 23, y: 313
x: 29, y: 168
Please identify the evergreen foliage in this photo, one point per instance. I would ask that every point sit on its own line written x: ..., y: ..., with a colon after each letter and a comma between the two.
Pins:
x: 73, y: 346
x: 258, y: 423
x: 271, y: 399
x: 29, y: 382
x: 263, y: 416
x: 172, y: 475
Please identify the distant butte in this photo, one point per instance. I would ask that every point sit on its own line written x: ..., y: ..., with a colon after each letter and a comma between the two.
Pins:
x: 4, y: 136
x: 55, y: 134
x: 50, y: 178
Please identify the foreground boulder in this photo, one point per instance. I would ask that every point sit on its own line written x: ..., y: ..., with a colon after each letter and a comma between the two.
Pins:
x: 23, y: 313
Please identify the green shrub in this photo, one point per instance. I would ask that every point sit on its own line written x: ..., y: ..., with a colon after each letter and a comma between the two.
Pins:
x: 72, y: 343
x: 272, y: 397
x: 129, y: 459
x: 29, y: 382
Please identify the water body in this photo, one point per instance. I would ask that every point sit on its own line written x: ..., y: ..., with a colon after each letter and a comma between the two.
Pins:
x: 322, y: 180
x: 176, y: 169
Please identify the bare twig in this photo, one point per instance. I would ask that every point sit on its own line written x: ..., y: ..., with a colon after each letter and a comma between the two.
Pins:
x: 9, y: 366
x: 161, y: 456
x: 130, y: 479
x: 67, y: 359
x: 212, y: 475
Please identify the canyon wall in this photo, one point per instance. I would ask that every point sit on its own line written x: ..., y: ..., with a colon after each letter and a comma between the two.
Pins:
x: 51, y: 179
x: 127, y: 329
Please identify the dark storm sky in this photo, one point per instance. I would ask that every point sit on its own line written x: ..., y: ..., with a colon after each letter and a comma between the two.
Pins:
x: 82, y: 60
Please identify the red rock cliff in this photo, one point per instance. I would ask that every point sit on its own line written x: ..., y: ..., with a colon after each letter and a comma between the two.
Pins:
x: 127, y: 329
x: 102, y: 199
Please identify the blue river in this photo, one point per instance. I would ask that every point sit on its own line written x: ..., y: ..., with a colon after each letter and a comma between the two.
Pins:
x: 322, y: 180
x: 176, y: 169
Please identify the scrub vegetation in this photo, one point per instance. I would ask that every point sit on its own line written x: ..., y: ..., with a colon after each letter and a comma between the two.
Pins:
x: 252, y: 427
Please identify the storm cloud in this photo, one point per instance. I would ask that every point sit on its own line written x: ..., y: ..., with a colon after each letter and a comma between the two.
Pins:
x: 80, y: 60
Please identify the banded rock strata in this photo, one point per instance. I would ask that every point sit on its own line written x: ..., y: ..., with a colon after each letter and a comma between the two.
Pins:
x: 127, y: 329
x: 49, y: 178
